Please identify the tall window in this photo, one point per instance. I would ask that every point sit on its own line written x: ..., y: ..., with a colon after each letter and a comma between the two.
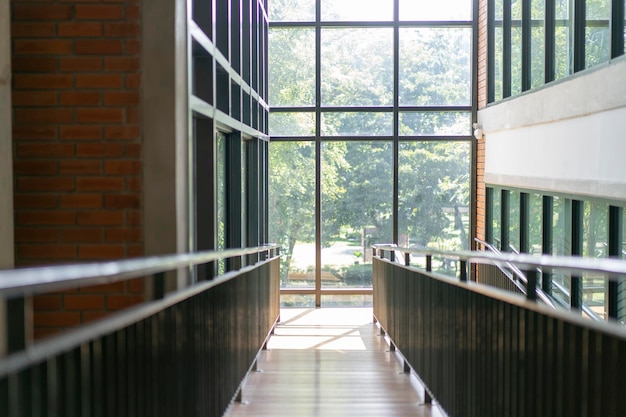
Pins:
x: 370, y: 123
x: 538, y: 41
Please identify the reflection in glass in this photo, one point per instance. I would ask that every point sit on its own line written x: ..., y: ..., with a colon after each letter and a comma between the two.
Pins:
x: 291, y: 67
x: 292, y: 124
x: 496, y: 218
x: 435, y: 123
x: 435, y: 66
x: 436, y: 10
x: 434, y: 193
x: 292, y: 10
x: 597, y: 32
x: 357, y: 124
x: 357, y: 67
x: 357, y: 207
x: 297, y: 300
x: 221, y: 197
x: 352, y: 300
x: 499, y: 62
x: 514, y: 222
x: 357, y: 10
x: 563, y: 38
x: 537, y: 47
x: 292, y: 210
x: 535, y: 232
x: 595, y: 245
x: 561, y: 245
x: 516, y: 60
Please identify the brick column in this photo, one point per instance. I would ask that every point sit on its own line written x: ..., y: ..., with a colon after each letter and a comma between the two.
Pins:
x: 77, y: 146
x: 482, y: 103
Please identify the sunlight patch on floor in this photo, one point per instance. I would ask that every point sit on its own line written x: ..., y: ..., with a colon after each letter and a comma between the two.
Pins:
x: 323, y: 329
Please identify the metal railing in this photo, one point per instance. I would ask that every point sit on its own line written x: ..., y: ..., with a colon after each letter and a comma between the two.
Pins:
x: 515, y: 275
x: 184, y: 353
x: 481, y: 351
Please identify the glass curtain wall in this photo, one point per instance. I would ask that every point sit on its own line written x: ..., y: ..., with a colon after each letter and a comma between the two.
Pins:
x: 228, y: 138
x: 535, y: 42
x: 564, y: 225
x: 370, y: 125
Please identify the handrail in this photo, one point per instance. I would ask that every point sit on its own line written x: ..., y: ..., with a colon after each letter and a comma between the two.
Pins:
x: 519, y: 274
x: 206, y: 334
x: 585, y: 308
x: 481, y: 351
x: 37, y: 280
x: 616, y: 268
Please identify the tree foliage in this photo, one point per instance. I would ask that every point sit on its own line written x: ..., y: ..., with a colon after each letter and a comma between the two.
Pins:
x: 357, y: 69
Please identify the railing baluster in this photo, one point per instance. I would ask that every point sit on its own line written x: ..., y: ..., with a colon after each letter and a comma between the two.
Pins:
x: 531, y: 286
x: 159, y: 285
x: 16, y: 324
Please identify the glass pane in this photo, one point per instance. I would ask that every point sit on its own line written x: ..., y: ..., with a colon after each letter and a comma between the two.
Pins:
x: 292, y: 124
x: 561, y: 235
x: 499, y: 12
x: 357, y: 208
x: 514, y: 221
x: 597, y: 32
x: 499, y: 63
x: 292, y: 67
x: 292, y: 10
x: 297, y: 300
x: 595, y: 245
x: 357, y: 67
x: 535, y: 236
x: 244, y: 193
x: 537, y: 47
x: 221, y: 197
x: 434, y: 193
x: 357, y: 10
x: 623, y: 249
x: 357, y: 124
x: 497, y: 216
x: 563, y: 38
x: 436, y: 10
x: 292, y: 210
x: 516, y: 60
x: 435, y: 124
x: 435, y: 66
x: 352, y: 300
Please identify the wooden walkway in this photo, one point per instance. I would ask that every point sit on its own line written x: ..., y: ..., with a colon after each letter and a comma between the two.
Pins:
x: 330, y: 363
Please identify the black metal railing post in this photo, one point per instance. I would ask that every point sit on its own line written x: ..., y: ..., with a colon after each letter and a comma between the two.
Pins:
x: 17, y: 324
x: 463, y: 272
x: 158, y: 285
x: 531, y: 285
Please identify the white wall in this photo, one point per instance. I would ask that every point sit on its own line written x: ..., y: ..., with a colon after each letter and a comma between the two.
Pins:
x: 569, y: 137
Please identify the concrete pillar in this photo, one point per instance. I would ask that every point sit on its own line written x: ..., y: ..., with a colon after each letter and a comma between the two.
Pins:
x: 166, y: 130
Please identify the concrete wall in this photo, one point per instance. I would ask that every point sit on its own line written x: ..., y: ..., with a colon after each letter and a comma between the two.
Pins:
x: 166, y: 134
x: 569, y: 137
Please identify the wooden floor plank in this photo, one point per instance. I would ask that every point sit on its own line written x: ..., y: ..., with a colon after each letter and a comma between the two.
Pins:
x: 330, y: 363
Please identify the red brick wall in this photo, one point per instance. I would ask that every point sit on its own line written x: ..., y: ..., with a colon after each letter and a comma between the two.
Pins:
x: 77, y: 145
x: 482, y: 102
